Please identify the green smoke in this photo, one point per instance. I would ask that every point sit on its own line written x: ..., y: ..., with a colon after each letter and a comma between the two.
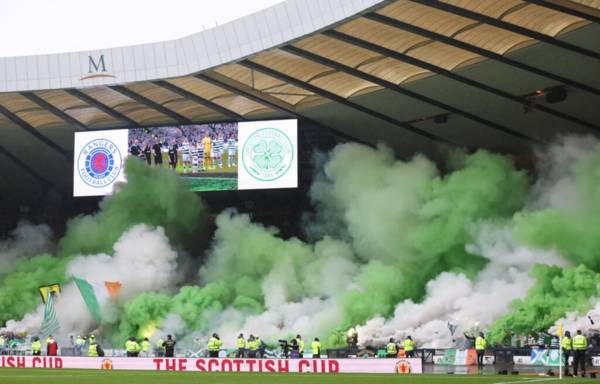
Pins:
x: 19, y: 292
x: 244, y: 254
x: 432, y: 231
x: 556, y: 292
x: 191, y: 303
x: 572, y: 229
x: 154, y: 196
x: 405, y: 225
x: 251, y: 269
x: 386, y: 228
x: 570, y: 226
x: 145, y: 310
x: 402, y: 225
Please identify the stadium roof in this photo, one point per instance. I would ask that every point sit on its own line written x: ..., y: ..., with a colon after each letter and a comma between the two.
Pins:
x: 417, y: 74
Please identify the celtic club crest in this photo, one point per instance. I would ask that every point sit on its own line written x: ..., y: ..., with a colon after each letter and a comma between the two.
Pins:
x: 268, y: 154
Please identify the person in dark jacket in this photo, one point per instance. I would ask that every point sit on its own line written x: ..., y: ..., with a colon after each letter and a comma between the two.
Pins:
x: 169, y: 345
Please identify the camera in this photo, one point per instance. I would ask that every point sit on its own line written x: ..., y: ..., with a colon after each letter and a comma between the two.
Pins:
x: 285, y: 346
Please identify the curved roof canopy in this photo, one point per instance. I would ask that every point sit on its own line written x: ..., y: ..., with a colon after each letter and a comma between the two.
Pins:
x: 496, y: 74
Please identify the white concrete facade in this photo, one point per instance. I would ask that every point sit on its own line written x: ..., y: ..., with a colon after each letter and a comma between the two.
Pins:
x: 229, y: 42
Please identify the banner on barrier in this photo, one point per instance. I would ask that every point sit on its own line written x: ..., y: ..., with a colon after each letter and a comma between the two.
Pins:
x: 546, y: 357
x: 401, y: 366
x: 454, y: 356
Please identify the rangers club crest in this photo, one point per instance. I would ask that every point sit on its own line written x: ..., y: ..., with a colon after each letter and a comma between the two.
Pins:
x: 99, y: 163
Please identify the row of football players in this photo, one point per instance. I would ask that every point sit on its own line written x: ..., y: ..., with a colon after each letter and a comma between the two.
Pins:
x: 207, y: 154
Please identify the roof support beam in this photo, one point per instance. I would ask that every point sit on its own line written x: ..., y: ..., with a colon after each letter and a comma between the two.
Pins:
x: 34, y: 132
x: 101, y: 106
x: 199, y: 100
x: 477, y: 50
x: 45, y: 183
x: 60, y: 114
x: 332, y: 96
x: 454, y: 76
x: 253, y: 94
x: 404, y: 91
x: 151, y: 104
x: 269, y: 101
x: 573, y: 9
x: 508, y: 26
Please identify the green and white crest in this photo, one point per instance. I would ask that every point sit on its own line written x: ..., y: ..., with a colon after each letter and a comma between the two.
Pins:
x: 267, y: 154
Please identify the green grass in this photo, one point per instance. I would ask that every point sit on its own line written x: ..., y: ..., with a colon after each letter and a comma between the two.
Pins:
x: 223, y: 169
x: 38, y: 376
x: 204, y: 184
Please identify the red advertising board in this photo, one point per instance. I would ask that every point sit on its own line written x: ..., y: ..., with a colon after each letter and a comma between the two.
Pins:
x: 401, y: 366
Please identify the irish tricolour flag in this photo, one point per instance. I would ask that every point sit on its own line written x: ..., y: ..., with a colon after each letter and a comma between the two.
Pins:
x: 95, y: 294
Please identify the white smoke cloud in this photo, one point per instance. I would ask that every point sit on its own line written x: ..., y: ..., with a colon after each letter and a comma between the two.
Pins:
x: 556, y: 187
x: 308, y: 317
x: 25, y: 240
x: 468, y: 304
x: 587, y: 323
x: 172, y: 325
x: 143, y: 261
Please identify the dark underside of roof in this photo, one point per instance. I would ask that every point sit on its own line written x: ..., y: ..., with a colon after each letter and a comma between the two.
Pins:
x: 421, y: 76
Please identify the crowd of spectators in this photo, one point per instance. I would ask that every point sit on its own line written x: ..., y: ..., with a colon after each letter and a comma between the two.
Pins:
x: 167, y: 136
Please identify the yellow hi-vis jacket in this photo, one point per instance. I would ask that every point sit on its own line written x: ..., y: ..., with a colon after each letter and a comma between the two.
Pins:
x: 36, y: 346
x: 391, y: 349
x: 480, y: 343
x: 131, y: 346
x: 566, y: 343
x: 240, y: 343
x: 316, y: 347
x: 300, y: 345
x: 408, y: 345
x: 580, y: 343
x: 214, y: 344
x: 93, y: 350
x: 145, y: 345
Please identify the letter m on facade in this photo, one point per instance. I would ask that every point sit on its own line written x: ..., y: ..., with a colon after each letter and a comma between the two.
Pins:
x: 94, y: 66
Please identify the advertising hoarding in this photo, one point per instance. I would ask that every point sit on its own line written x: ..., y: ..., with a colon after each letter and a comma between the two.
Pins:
x: 399, y: 366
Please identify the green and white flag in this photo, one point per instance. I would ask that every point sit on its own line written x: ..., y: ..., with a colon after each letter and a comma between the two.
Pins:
x: 50, y: 325
x: 92, y: 295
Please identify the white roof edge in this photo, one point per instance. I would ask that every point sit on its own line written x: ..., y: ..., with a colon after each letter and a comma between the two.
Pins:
x: 251, y: 34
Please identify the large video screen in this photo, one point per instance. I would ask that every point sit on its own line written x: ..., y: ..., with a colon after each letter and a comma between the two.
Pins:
x: 210, y: 157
